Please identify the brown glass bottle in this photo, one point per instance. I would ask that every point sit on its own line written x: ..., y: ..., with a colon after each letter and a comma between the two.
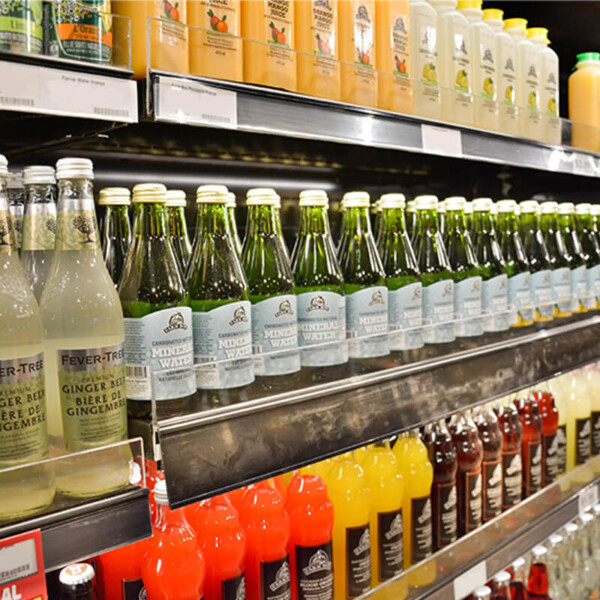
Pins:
x: 531, y: 446
x: 512, y: 465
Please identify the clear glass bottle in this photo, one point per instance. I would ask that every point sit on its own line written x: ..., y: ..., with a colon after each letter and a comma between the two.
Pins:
x: 501, y: 586
x: 537, y: 583
x: 116, y: 229
x: 177, y: 231
x: 231, y: 207
x: 557, y: 568
x: 591, y: 246
x: 16, y: 206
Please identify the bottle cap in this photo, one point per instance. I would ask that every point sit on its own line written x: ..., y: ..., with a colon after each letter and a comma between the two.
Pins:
x: 494, y: 209
x: 441, y: 207
x: 74, y: 168
x: 483, y: 592
x: 516, y: 24
x: 314, y: 198
x: 538, y: 33
x: 596, y: 508
x: 506, y: 206
x: 566, y: 208
x: 149, y: 193
x: 357, y: 200
x: 176, y: 198
x: 411, y: 207
x: 538, y: 551
x: 586, y: 518
x: 588, y: 57
x: 469, y: 208
x: 595, y: 212
x: 529, y: 206
x: 212, y: 194
x: 76, y: 574
x: 494, y: 14
x: 555, y: 539
x: 115, y: 196
x: 469, y: 4
x: 15, y: 180
x: 549, y: 207
x: 583, y: 208
x: 482, y: 204
x: 3, y: 166
x: 455, y: 203
x: 262, y: 197
x: 160, y: 492
x: 518, y: 563
x: 39, y: 174
x: 571, y: 528
x: 231, y: 203
x: 502, y: 577
x: 392, y: 201
x: 426, y: 202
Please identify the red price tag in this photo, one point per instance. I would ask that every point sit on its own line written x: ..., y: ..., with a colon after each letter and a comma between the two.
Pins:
x: 22, y: 574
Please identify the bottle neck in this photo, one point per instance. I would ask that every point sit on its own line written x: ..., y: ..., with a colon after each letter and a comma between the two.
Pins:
x: 392, y: 220
x: 212, y: 219
x: 483, y: 222
x: 584, y: 223
x: 116, y: 221
x: 356, y: 221
x: 507, y: 222
x: 5, y: 222
x: 565, y: 222
x: 40, y: 193
x: 314, y: 219
x: 150, y: 220
x: 530, y: 222
x: 427, y: 222
x: 165, y: 518
x: 263, y: 220
x: 176, y: 225
x: 548, y: 223
x: 455, y: 221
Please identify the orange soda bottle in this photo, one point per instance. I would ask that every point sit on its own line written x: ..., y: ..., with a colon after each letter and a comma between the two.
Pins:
x: 122, y: 571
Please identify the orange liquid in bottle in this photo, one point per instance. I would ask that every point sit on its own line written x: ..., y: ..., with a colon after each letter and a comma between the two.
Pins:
x: 122, y: 571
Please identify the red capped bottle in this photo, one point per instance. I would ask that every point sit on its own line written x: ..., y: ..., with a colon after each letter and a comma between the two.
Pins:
x: 512, y: 464
x: 531, y: 446
x: 537, y: 583
x: 549, y: 414
x: 501, y: 586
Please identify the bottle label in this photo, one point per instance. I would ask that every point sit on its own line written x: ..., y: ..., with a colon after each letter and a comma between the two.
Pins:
x: 426, y: 59
x: 322, y: 326
x: 221, y: 19
x: 234, y: 588
x: 438, y: 311
x: 406, y: 317
x: 391, y: 549
x: 561, y: 449
x: 467, y: 307
x: 473, y: 508
x: 21, y: 27
x: 16, y: 219
x: 421, y: 529
x: 532, y: 479
x: 132, y: 589
x: 595, y: 432
x: 512, y: 467
x: 279, y: 31
x: 363, y: 34
x: 223, y: 346
x: 492, y: 490
x: 561, y: 286
x: 583, y: 446
x: 495, y: 303
x: 367, y: 316
x: 76, y: 229
x: 22, y: 410
x: 578, y: 288
x: 487, y: 65
x: 275, y: 580
x: 399, y: 48
x: 460, y: 56
x: 543, y: 295
x: 275, y: 336
x: 314, y: 572
x: 93, y: 396
x: 358, y: 560
x: 549, y: 454
x: 323, y: 31
x: 531, y: 87
x: 593, y: 284
x: 39, y: 227
x: 5, y: 232
x: 507, y: 61
x: 520, y: 299
x: 446, y: 527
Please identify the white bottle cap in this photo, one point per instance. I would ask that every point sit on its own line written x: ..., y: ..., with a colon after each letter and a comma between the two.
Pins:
x: 176, y: 198
x: 595, y: 210
x: 502, y: 577
x: 231, y: 203
x: 426, y: 202
x: 455, y: 203
x: 483, y: 592
x: 482, y: 204
x: 441, y: 207
x: 76, y: 574
x: 538, y: 551
x: 160, y: 493
x: 212, y: 194
x: 314, y: 198
x: 571, y: 528
x: 392, y: 201
x: 555, y: 539
x: 357, y: 200
x: 15, y: 180
x: 74, y: 168
x: 149, y: 193
x: 518, y: 563
x: 506, y: 206
x: 262, y: 197
x: 566, y: 208
x: 586, y: 518
x: 114, y: 196
x: 529, y: 206
x: 3, y: 166
x: 596, y: 508
x: 549, y: 207
x: 411, y: 207
x: 583, y: 208
x: 39, y: 175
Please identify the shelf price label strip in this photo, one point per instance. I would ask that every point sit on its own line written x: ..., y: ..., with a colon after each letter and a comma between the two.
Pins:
x: 22, y: 574
x: 469, y: 581
x: 587, y: 498
x: 441, y: 140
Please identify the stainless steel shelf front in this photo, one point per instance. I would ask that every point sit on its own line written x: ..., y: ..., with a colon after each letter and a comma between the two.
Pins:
x: 214, y: 451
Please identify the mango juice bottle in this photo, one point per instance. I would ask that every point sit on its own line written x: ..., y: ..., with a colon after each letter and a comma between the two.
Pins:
x: 392, y: 29
x: 316, y: 34
x: 357, y: 49
x: 215, y: 48
x: 584, y: 102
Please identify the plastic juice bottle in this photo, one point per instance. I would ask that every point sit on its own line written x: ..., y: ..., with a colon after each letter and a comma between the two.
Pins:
x: 358, y: 49
x: 539, y: 260
x: 584, y: 102
x: 528, y: 69
x: 484, y: 61
x: 215, y: 48
x: 269, y: 59
x: 579, y: 410
x: 173, y: 566
x: 424, y: 60
x: 465, y: 270
x: 560, y: 398
x: 392, y: 29
x: 454, y: 63
x: 436, y: 274
x: 387, y: 490
x: 316, y: 35
x: 537, y: 583
x: 512, y: 465
x: 402, y: 276
x: 591, y: 247
x: 506, y: 75
x: 267, y: 527
x: 549, y: 414
x: 122, y: 571
x: 531, y: 446
x: 349, y: 491
x: 168, y: 43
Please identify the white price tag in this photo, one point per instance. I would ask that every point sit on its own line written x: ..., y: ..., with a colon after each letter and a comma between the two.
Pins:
x: 439, y: 140
x: 584, y: 164
x: 588, y: 497
x: 187, y: 101
x: 18, y: 561
x: 466, y: 583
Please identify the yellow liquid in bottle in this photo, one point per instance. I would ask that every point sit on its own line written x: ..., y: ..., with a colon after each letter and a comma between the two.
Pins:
x: 579, y: 412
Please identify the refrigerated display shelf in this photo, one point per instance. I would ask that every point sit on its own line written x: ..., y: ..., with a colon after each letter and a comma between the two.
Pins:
x: 216, y: 450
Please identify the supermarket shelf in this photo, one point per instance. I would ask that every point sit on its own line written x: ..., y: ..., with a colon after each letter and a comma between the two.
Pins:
x: 212, y: 103
x: 76, y: 531
x: 220, y: 449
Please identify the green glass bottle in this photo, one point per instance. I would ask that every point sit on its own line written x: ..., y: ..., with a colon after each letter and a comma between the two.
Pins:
x: 539, y: 260
x: 376, y: 220
x: 177, y: 231
x: 441, y: 215
x: 469, y: 218
x: 560, y: 259
x: 231, y: 206
x: 319, y: 286
x: 274, y: 306
x: 402, y: 276
x: 595, y: 212
x: 159, y: 352
x: 116, y: 229
x: 591, y: 246
x: 465, y: 270
x: 411, y: 220
x: 220, y: 298
x: 436, y: 274
x: 566, y: 223
x: 494, y: 292
x: 364, y: 282
x: 520, y: 299
x: 340, y: 234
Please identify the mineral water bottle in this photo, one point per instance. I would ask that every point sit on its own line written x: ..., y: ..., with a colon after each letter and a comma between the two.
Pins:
x: 177, y: 232
x: 116, y: 229
x: 591, y: 246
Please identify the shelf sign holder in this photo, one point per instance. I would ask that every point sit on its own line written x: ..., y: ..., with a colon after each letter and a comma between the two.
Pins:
x: 441, y: 140
x: 469, y: 581
x: 587, y: 498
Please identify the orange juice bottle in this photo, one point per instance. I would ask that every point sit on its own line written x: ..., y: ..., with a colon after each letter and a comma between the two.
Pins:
x: 168, y: 44
x: 316, y: 33
x: 393, y: 55
x: 216, y: 51
x: 269, y: 59
x: 357, y: 47
x: 584, y: 101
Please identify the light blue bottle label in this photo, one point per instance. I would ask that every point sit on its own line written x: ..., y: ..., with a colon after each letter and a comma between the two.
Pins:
x: 159, y: 355
x: 467, y: 307
x: 367, y: 323
x: 520, y: 299
x: 275, y: 336
x: 223, y: 347
x: 543, y: 295
x: 578, y: 288
x: 495, y: 303
x: 593, y: 284
x: 322, y: 329
x: 406, y: 317
x: 561, y: 286
x: 438, y: 312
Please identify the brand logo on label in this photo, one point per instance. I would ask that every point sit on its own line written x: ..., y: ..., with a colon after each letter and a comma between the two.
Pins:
x: 426, y: 513
x: 319, y: 561
x: 476, y: 286
x: 536, y: 459
x: 527, y: 280
x: 585, y: 430
x: 85, y: 225
x: 560, y: 437
x: 596, y: 424
x: 460, y: 45
x: 362, y: 14
x: 239, y: 316
x: 376, y: 298
x: 176, y: 321
x: 417, y: 293
x: 516, y: 466
x: 51, y: 225
x: 323, y: 4
x: 240, y: 593
x: 364, y: 544
x: 317, y: 303
x: 426, y: 37
x: 552, y: 78
x: 285, y: 308
x: 532, y: 72
x: 503, y: 284
x: 566, y: 275
x: 395, y: 528
x: 452, y: 499
x: 496, y: 477
x: 476, y: 491
x: 282, y: 578
x: 509, y: 66
x: 4, y: 231
x: 399, y: 25
x: 546, y: 279
x: 143, y: 595
x: 447, y: 290
x: 487, y: 55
